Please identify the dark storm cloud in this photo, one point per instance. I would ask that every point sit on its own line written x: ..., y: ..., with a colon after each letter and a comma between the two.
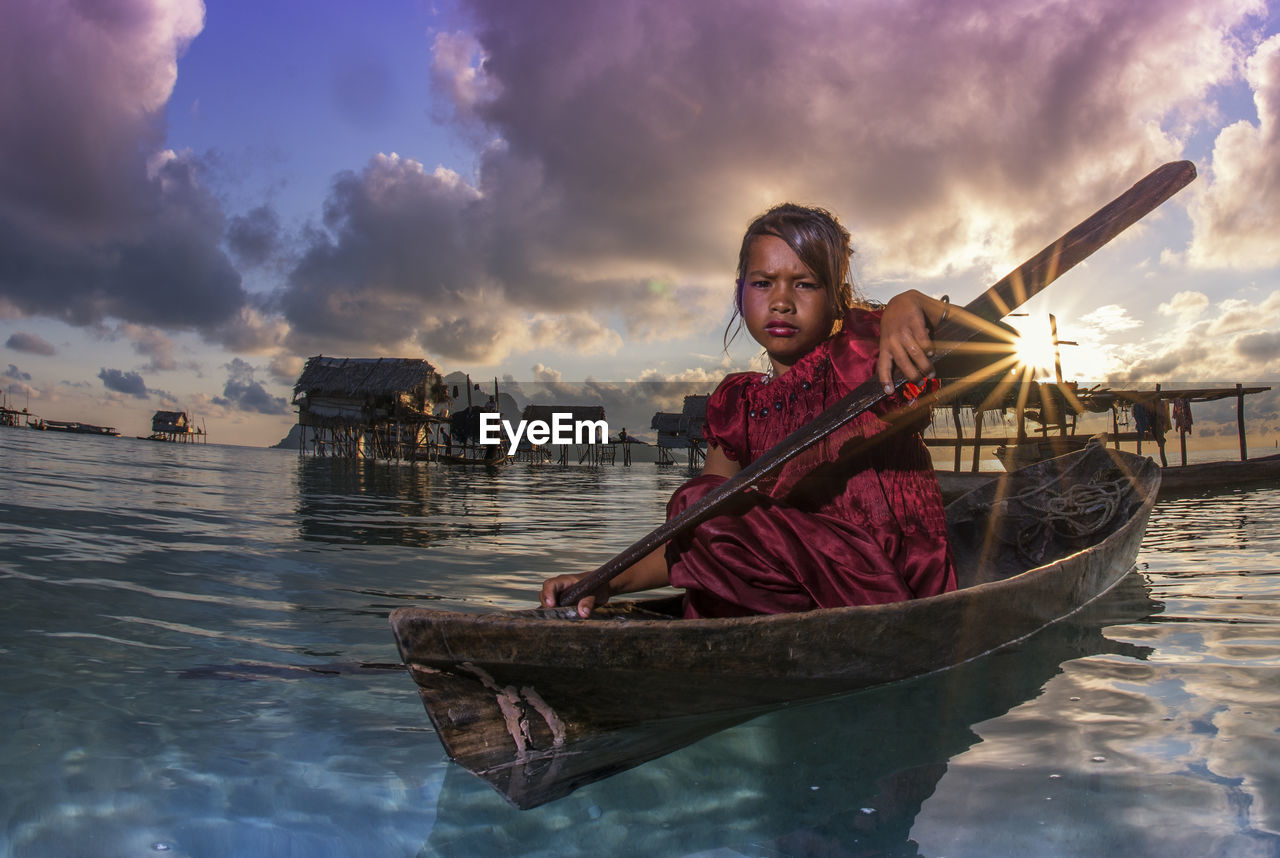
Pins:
x: 1181, y: 362
x: 124, y: 382
x: 96, y: 221
x: 243, y: 393
x: 23, y: 342
x: 634, y: 140
x: 396, y: 254
x: 254, y: 237
x: 689, y: 118
x: 1261, y: 347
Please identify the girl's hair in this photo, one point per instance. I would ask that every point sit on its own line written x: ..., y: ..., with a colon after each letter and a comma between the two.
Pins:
x: 820, y: 242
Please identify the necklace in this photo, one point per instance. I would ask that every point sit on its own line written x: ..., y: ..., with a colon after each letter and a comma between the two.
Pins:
x: 767, y: 375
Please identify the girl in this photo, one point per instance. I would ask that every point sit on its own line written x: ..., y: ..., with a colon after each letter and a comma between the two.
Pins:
x: 856, y: 530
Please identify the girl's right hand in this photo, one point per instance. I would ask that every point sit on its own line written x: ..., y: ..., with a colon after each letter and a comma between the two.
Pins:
x: 553, y: 587
x: 905, y: 342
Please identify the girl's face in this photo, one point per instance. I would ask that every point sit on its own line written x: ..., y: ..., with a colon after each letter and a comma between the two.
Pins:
x: 785, y: 307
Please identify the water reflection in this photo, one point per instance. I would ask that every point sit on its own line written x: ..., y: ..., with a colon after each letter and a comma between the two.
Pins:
x: 842, y: 777
x: 1170, y: 756
x: 1119, y: 758
x: 1241, y: 522
x: 350, y: 502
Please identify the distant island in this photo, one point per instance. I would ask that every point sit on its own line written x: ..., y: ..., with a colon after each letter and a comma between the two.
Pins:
x: 291, y: 441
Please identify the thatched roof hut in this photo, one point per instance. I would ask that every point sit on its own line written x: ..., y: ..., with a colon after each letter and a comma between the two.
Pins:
x: 365, y: 390
x: 171, y: 422
x: 684, y: 429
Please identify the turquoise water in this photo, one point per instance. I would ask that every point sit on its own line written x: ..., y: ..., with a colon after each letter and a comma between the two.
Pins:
x: 196, y: 662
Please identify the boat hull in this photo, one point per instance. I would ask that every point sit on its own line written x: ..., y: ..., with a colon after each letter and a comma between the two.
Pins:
x: 538, y: 703
x: 1263, y: 471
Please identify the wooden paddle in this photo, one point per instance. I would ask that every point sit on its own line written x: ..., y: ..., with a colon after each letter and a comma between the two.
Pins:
x: 1010, y: 292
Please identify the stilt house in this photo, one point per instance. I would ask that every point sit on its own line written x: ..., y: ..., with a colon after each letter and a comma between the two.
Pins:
x: 682, y: 431
x: 174, y: 426
x: 376, y: 408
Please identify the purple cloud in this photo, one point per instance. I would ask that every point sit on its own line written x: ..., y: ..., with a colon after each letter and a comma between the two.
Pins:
x: 243, y: 393
x: 97, y: 221
x: 24, y: 342
x: 124, y: 382
x: 631, y: 142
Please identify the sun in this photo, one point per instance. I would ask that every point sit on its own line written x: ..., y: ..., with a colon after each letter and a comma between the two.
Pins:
x: 1034, y: 348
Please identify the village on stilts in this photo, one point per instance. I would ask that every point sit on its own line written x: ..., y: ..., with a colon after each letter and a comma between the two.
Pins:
x: 404, y: 410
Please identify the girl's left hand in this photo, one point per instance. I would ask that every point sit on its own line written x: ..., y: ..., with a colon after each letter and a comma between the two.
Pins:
x: 904, y: 339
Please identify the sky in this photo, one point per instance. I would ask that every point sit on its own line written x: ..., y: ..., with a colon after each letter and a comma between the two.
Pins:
x: 196, y: 197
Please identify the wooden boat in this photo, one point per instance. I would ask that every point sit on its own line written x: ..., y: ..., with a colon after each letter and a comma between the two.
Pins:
x: 955, y: 484
x: 1219, y: 476
x: 1224, y: 475
x: 79, y: 428
x: 540, y: 702
x: 1032, y: 450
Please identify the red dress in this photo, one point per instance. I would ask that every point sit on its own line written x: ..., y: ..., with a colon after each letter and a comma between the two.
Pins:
x: 865, y: 530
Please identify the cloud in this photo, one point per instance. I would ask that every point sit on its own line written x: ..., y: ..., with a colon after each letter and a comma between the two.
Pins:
x: 1168, y: 365
x: 1111, y: 317
x: 584, y: 331
x: 285, y: 369
x: 622, y: 147
x: 613, y: 163
x: 458, y: 74
x: 97, y: 220
x: 394, y: 253
x: 253, y: 330
x: 243, y: 393
x: 696, y: 116
x: 1185, y: 306
x: 23, y: 342
x: 152, y: 344
x: 130, y: 383
x: 1237, y: 218
x: 254, y: 238
x: 1263, y: 347
x: 1235, y: 340
x: 16, y: 384
x: 545, y: 374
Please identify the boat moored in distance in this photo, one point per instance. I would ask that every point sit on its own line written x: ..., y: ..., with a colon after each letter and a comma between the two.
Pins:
x: 539, y: 702
x: 77, y: 428
x: 1218, y: 476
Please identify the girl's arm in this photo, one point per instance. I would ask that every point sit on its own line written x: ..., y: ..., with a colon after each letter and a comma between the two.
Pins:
x: 904, y: 336
x: 648, y: 573
x: 719, y: 464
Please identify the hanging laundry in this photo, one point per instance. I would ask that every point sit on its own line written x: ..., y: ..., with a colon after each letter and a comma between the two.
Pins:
x: 1141, y: 418
x: 1182, y: 416
x: 1152, y: 419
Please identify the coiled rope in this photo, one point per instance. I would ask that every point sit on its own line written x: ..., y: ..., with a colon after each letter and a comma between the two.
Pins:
x: 1043, y: 516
